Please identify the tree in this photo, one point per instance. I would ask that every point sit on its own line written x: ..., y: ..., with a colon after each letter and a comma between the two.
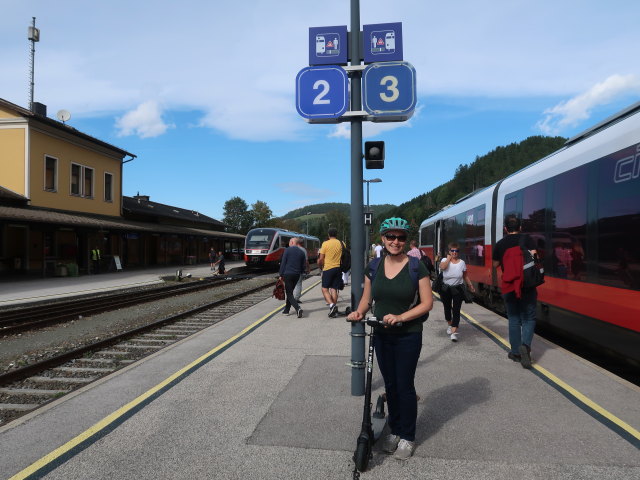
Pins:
x: 261, y: 213
x: 237, y: 216
x: 339, y: 221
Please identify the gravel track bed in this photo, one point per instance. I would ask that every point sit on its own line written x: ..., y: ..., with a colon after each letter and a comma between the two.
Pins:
x: 24, y: 349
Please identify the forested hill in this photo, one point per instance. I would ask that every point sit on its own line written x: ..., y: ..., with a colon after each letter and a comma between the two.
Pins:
x: 323, y: 208
x: 484, y: 171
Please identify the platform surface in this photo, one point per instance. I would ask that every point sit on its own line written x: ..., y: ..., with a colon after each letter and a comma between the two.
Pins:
x: 268, y: 396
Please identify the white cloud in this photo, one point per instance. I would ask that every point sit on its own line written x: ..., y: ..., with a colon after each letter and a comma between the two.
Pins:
x: 144, y: 121
x: 578, y: 109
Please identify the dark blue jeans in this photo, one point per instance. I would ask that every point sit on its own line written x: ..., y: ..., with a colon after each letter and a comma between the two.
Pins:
x: 521, y: 313
x: 397, y: 359
x: 289, y: 284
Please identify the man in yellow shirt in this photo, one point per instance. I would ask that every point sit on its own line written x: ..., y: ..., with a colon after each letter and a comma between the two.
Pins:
x: 329, y: 261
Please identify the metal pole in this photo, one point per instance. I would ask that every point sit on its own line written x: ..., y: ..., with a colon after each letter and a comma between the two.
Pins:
x: 33, y: 40
x: 357, y: 214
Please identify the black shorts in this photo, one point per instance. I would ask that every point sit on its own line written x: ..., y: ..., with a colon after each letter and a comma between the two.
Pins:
x: 332, y: 278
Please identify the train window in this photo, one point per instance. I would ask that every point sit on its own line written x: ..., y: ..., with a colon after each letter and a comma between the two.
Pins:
x: 511, y: 204
x: 260, y: 239
x: 618, y: 222
x: 568, y: 224
x: 427, y: 235
x: 534, y: 202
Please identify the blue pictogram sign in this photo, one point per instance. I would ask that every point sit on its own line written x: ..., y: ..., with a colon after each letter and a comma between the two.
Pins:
x: 382, y: 42
x: 322, y: 93
x: 328, y: 45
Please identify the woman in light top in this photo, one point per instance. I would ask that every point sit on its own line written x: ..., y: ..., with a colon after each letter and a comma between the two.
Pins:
x: 454, y: 275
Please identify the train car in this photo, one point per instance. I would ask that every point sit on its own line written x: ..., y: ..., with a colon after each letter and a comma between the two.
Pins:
x: 581, y: 204
x: 264, y: 246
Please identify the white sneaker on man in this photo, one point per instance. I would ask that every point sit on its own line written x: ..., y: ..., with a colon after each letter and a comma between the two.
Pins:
x: 405, y: 449
x: 390, y: 443
x: 449, y: 330
x: 454, y: 337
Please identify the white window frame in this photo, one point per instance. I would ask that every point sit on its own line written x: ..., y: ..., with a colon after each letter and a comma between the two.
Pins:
x: 80, y: 180
x: 55, y: 174
x: 110, y: 199
x: 93, y: 181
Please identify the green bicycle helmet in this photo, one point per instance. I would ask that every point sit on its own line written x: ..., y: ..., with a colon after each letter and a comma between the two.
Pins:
x: 394, y: 223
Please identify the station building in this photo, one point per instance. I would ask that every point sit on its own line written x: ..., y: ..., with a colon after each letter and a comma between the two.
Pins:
x: 61, y: 197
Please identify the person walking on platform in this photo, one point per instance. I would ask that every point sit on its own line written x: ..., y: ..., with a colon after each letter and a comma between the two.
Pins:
x: 298, y: 242
x: 329, y: 261
x: 212, y: 258
x: 292, y: 265
x: 377, y: 250
x: 95, y: 259
x: 520, y: 302
x: 454, y: 276
x: 220, y: 263
x: 393, y: 294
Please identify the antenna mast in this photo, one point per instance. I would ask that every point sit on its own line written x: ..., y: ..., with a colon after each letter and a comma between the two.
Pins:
x: 34, y: 36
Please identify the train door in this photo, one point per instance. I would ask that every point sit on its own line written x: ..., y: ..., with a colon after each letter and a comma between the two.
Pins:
x: 438, y: 247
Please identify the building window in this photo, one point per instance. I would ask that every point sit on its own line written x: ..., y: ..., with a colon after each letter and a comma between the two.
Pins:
x: 81, y: 180
x: 88, y: 182
x: 108, y: 187
x: 76, y: 171
x: 50, y: 173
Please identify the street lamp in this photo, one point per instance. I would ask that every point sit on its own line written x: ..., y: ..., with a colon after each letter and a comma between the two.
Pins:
x: 308, y: 213
x: 373, y: 180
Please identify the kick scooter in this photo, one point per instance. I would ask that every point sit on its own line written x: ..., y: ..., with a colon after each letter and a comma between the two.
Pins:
x: 372, y: 426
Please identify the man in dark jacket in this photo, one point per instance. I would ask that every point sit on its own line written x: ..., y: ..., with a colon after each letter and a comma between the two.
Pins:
x: 292, y: 266
x: 520, y: 302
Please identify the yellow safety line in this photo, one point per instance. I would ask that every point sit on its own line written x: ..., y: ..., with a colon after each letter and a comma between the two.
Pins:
x: 105, y: 422
x: 560, y: 383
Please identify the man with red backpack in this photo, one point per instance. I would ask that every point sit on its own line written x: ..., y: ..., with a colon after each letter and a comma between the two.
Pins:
x: 520, y: 302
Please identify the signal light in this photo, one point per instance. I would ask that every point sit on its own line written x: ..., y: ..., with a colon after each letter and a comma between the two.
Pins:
x: 374, y: 155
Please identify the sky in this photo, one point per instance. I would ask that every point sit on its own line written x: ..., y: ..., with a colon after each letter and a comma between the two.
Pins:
x: 203, y: 92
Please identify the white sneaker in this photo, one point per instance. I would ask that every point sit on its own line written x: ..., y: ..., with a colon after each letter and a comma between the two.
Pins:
x: 405, y: 449
x: 454, y: 337
x: 449, y: 330
x: 390, y: 443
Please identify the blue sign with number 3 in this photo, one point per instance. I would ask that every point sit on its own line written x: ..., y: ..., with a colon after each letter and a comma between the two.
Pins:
x: 322, y: 93
x: 389, y: 91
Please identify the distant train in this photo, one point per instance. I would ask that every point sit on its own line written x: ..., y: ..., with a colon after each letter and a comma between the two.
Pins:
x: 264, y: 246
x: 581, y: 205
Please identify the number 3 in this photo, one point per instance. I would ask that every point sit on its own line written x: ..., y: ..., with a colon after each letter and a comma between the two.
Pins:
x: 325, y: 89
x: 392, y: 87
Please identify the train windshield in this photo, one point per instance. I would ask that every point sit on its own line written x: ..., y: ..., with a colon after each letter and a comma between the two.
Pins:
x: 260, y: 239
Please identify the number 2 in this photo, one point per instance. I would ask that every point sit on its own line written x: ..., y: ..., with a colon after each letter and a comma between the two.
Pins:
x: 392, y: 87
x: 319, y: 100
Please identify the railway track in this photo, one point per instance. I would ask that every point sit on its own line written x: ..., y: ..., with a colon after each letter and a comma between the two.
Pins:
x: 25, y: 389
x: 17, y: 320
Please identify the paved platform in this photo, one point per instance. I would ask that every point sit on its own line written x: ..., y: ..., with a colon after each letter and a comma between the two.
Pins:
x: 267, y: 396
x: 23, y: 290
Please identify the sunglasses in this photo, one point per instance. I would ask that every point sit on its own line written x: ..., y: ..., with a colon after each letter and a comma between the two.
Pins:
x: 454, y: 250
x: 392, y: 237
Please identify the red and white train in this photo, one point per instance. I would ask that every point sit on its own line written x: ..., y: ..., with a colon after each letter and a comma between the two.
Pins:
x: 264, y: 246
x: 581, y: 204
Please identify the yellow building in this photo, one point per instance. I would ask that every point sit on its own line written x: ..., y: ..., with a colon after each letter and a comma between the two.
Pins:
x: 61, y: 202
x: 55, y: 166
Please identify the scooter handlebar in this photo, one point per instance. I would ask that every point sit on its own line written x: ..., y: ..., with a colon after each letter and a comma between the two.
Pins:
x: 375, y: 322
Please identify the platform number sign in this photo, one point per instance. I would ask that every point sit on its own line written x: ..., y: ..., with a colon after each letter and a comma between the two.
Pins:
x: 322, y: 93
x: 389, y: 91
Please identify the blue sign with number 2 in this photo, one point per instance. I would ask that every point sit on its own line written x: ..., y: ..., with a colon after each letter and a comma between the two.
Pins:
x: 322, y: 93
